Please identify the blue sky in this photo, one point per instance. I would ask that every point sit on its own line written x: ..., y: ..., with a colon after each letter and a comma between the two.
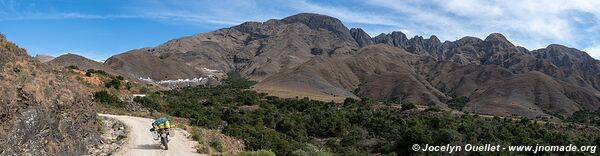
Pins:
x: 98, y: 29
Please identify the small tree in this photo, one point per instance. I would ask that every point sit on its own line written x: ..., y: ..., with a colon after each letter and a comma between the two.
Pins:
x: 114, y: 83
x: 107, y: 98
x: 458, y: 103
x: 128, y: 85
x: 91, y: 70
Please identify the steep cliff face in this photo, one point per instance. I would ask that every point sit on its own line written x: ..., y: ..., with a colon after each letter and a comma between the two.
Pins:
x: 42, y: 112
x: 361, y: 37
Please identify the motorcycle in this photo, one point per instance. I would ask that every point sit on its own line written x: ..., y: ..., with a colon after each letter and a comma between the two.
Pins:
x: 164, y: 135
x: 164, y: 138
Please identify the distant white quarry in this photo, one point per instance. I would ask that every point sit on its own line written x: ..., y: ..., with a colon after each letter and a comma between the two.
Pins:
x: 186, y: 82
x: 179, y: 82
x: 212, y: 73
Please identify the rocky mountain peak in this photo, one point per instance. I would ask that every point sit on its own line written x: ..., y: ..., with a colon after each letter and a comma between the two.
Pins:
x: 434, y: 39
x: 497, y: 38
x: 72, y: 55
x: 396, y: 38
x: 318, y: 21
x: 383, y: 38
x: 468, y: 40
x: 562, y: 55
x: 399, y: 38
x: 43, y: 58
x: 361, y: 37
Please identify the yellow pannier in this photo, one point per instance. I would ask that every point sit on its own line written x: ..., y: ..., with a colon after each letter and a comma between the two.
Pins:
x: 162, y: 123
x: 167, y: 124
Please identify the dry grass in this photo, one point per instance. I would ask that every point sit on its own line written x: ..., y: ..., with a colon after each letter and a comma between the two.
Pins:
x: 296, y: 93
x: 230, y: 145
x: 93, y: 80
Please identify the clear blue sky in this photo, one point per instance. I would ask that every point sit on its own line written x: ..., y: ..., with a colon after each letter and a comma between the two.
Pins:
x: 99, y: 29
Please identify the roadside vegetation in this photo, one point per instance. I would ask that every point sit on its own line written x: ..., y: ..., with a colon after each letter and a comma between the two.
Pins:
x: 104, y: 97
x: 301, y: 126
x: 586, y: 117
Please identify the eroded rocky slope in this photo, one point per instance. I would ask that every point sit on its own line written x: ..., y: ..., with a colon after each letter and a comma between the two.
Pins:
x: 42, y: 112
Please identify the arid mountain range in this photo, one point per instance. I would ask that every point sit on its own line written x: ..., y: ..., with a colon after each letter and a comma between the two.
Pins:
x: 317, y: 56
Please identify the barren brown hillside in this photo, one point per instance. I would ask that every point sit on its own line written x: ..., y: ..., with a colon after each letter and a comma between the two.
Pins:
x: 317, y: 56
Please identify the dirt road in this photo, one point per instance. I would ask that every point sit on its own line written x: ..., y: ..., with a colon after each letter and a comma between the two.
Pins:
x: 140, y: 141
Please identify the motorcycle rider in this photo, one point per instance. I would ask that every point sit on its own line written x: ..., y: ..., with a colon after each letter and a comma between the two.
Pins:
x: 161, y: 129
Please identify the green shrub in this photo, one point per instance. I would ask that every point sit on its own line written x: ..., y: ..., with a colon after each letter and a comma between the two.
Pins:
x: 257, y: 153
x: 458, y: 103
x: 115, y: 83
x: 215, y: 144
x: 99, y: 72
x: 433, y: 109
x: 351, y: 151
x: 150, y: 101
x: 311, y: 150
x: 144, y: 90
x: 585, y: 117
x: 128, y: 85
x: 74, y: 67
x: 236, y: 80
x: 106, y: 98
x: 196, y: 134
x: 408, y: 106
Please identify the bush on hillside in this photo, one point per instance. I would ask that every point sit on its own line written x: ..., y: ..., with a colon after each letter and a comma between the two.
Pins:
x: 106, y: 98
x: 128, y: 85
x: 150, y: 101
x: 99, y: 72
x: 74, y: 67
x: 257, y: 153
x: 586, y: 117
x: 408, y: 106
x: 215, y: 144
x: 114, y: 83
x: 311, y: 150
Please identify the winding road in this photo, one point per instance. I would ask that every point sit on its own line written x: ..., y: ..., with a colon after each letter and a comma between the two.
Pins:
x: 140, y: 141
